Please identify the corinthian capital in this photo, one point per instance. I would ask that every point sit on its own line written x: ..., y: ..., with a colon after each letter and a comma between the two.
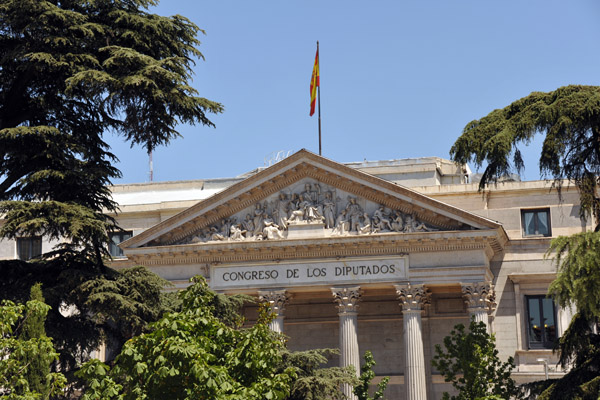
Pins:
x: 277, y: 300
x: 413, y: 297
x: 346, y: 298
x: 479, y: 295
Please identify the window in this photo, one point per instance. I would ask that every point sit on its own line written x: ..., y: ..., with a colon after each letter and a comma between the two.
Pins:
x: 115, y: 239
x: 541, y: 329
x: 536, y: 222
x: 29, y: 247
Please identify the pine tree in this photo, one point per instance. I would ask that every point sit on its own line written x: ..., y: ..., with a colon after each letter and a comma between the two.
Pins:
x: 38, y: 365
x: 72, y: 71
x: 313, y: 381
x: 26, y: 352
x: 569, y: 117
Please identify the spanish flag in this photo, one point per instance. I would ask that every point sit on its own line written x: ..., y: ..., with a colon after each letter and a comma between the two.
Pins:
x: 314, y: 83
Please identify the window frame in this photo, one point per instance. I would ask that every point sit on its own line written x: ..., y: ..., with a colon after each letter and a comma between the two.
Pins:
x: 543, y: 344
x: 122, y: 236
x: 536, y: 211
x: 34, y: 242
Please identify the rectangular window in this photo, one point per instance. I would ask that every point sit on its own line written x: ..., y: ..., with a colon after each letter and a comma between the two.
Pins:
x: 536, y: 222
x: 29, y: 247
x: 115, y: 239
x: 541, y: 328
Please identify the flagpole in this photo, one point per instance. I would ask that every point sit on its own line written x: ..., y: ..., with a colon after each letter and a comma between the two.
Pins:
x: 319, y: 100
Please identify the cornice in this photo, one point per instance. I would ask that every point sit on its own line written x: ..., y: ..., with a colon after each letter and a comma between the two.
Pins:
x: 339, y: 247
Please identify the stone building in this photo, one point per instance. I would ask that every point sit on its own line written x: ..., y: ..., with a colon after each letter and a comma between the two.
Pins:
x: 384, y: 256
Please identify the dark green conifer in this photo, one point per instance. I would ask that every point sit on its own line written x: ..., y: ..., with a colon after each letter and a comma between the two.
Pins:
x: 71, y: 72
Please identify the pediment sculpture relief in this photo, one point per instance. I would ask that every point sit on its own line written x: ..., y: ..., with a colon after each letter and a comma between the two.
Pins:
x: 337, y: 214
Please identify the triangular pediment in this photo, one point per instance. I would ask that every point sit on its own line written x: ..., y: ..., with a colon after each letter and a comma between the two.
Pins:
x: 308, y: 196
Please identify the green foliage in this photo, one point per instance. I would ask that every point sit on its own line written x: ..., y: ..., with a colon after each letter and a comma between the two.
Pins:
x: 366, y: 376
x: 105, y: 305
x: 470, y: 361
x: 580, y: 353
x: 38, y: 365
x: 70, y: 73
x: 191, y: 354
x: 577, y: 258
x: 570, y: 119
x: 26, y: 352
x: 313, y: 382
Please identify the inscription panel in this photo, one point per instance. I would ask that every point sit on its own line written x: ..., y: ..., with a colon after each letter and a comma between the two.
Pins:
x: 323, y: 273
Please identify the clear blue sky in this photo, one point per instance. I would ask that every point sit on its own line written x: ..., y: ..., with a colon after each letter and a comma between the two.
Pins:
x: 399, y: 79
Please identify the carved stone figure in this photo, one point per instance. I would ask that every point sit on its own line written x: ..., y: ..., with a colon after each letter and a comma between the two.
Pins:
x: 215, y: 235
x: 196, y: 239
x: 398, y: 223
x: 248, y: 225
x: 280, y: 211
x: 341, y: 224
x: 258, y: 219
x: 271, y: 230
x: 311, y: 212
x: 353, y: 212
x: 329, y: 210
x: 236, y: 233
x: 311, y: 195
x: 383, y: 220
x: 226, y: 226
x: 365, y: 225
x: 412, y: 225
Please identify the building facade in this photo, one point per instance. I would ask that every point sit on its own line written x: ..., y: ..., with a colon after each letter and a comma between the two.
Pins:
x: 383, y: 256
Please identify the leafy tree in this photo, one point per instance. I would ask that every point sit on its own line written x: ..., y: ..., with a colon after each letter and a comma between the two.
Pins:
x: 109, y: 306
x: 362, y: 390
x: 470, y: 361
x: 191, y: 354
x: 570, y: 119
x: 314, y: 382
x: 26, y: 352
x: 71, y: 72
x: 578, y: 261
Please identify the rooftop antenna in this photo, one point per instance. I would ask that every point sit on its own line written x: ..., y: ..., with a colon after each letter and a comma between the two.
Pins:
x: 151, y: 173
x: 275, y: 157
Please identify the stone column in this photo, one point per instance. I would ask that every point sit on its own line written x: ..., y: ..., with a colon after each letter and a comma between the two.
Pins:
x: 479, y: 297
x: 277, y: 300
x: 347, y: 298
x: 413, y: 299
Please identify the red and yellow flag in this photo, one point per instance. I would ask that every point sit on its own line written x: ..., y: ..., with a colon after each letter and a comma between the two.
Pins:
x: 314, y: 83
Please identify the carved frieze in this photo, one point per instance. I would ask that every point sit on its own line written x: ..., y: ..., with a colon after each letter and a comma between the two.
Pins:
x: 309, y: 202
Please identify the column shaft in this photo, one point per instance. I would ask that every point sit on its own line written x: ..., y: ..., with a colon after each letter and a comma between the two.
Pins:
x: 413, y: 299
x: 414, y: 368
x: 347, y: 302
